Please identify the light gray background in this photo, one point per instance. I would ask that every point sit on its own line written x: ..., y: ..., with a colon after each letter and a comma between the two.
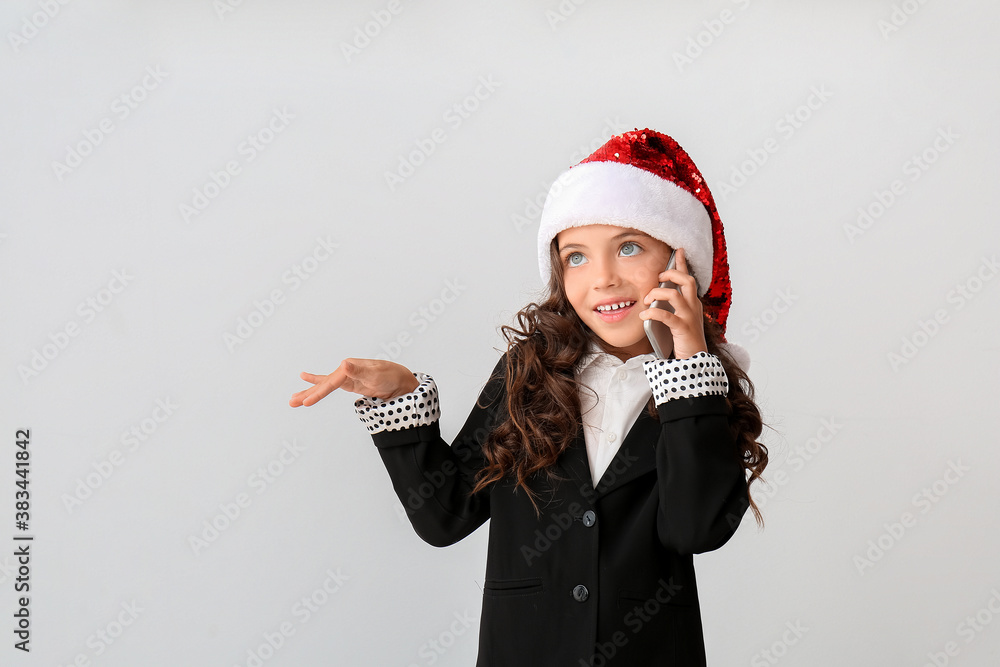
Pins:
x: 820, y: 310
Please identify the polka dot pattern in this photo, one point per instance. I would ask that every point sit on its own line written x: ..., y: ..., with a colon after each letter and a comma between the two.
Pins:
x: 700, y: 374
x: 418, y: 408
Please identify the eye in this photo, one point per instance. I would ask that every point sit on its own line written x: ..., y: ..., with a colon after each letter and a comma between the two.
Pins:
x: 569, y: 258
x: 636, y: 248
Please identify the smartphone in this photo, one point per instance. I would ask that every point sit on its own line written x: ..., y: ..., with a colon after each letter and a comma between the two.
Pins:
x: 657, y: 332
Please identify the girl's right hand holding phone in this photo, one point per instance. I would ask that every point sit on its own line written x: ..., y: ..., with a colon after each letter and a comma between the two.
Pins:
x: 369, y: 377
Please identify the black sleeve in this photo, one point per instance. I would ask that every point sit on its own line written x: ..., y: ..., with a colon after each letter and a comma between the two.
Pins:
x: 433, y: 480
x: 702, y: 484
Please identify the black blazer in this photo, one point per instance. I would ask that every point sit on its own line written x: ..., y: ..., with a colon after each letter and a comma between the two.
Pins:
x: 606, y: 575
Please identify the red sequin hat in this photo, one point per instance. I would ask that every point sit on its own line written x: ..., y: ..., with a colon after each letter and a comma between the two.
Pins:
x: 644, y: 180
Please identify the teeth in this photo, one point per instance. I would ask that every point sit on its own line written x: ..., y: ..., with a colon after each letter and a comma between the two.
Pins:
x: 616, y: 306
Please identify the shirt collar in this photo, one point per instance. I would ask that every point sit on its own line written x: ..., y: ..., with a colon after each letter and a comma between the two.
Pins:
x: 595, y: 355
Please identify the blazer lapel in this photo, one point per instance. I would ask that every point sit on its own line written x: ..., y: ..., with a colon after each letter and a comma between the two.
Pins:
x: 635, y: 457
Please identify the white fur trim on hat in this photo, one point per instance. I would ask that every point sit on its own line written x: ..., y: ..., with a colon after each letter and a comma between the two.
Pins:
x: 739, y: 354
x: 612, y: 193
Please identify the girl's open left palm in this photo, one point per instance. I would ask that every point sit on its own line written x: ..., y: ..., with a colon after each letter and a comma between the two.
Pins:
x: 369, y: 377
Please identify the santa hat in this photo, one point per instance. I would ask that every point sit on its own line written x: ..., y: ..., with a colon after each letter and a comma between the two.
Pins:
x: 644, y: 180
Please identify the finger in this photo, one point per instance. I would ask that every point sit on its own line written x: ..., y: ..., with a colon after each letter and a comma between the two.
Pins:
x: 684, y: 266
x: 681, y: 265
x: 672, y: 296
x: 296, y: 399
x: 323, y: 385
x: 345, y: 374
x: 678, y: 274
x: 299, y: 397
x: 686, y: 283
x: 665, y: 316
x: 310, y: 377
x: 682, y: 260
x: 317, y: 393
x: 659, y: 294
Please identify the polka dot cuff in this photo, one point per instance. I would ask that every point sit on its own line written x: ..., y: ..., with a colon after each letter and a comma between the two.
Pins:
x: 700, y: 374
x: 418, y: 408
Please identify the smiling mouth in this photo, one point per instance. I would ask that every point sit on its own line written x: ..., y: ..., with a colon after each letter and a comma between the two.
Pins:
x: 611, y: 308
x: 615, y: 312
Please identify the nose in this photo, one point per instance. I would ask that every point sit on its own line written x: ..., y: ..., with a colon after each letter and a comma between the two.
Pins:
x: 606, y: 273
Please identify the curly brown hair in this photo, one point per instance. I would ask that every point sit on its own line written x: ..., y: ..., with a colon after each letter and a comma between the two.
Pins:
x: 542, y: 410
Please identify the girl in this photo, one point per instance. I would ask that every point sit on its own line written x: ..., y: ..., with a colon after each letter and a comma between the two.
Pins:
x: 602, y: 468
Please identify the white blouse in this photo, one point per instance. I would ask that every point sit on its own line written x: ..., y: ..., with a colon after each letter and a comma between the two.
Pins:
x: 625, y: 392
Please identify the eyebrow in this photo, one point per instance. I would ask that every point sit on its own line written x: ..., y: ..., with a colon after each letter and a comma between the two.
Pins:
x: 613, y: 239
